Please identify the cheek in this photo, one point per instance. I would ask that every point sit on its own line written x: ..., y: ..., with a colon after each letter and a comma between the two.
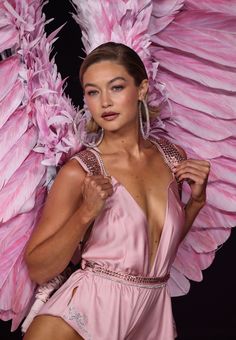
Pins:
x: 130, y: 99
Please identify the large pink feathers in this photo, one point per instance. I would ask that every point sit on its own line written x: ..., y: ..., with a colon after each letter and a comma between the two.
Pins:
x: 197, y: 65
x: 36, y: 134
x: 221, y: 6
x: 189, y: 50
x: 15, y: 287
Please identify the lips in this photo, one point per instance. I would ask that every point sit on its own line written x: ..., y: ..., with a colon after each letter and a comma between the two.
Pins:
x: 109, y: 115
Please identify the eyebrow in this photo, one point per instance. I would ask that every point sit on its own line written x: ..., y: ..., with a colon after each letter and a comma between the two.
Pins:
x: 110, y: 81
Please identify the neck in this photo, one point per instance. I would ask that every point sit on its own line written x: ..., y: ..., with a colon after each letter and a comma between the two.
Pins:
x: 130, y: 143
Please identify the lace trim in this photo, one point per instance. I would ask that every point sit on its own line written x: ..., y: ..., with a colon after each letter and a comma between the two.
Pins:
x: 81, y: 321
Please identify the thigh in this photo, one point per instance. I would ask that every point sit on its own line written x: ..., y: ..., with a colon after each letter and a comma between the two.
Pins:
x: 47, y: 327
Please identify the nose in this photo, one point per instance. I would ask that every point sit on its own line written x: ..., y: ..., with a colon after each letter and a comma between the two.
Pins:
x: 105, y: 99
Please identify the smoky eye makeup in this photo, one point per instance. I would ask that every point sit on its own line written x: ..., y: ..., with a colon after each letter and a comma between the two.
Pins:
x: 118, y: 87
x: 91, y: 92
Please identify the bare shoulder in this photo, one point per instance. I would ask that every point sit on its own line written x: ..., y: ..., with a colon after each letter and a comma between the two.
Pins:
x: 71, y: 172
x: 65, y: 192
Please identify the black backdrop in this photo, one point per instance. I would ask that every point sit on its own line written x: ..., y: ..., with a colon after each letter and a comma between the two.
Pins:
x: 208, y: 311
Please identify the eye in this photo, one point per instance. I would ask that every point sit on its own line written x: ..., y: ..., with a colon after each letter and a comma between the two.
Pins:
x: 92, y: 92
x: 117, y: 88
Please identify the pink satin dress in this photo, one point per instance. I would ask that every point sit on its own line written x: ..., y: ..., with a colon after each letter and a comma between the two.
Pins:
x: 102, y: 307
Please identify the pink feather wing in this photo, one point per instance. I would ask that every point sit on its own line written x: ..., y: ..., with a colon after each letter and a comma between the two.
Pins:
x: 196, y: 53
x: 188, y: 48
x: 36, y: 135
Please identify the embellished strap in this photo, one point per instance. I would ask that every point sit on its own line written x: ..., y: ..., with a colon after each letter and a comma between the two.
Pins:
x: 125, y: 277
x: 89, y: 162
x: 170, y: 152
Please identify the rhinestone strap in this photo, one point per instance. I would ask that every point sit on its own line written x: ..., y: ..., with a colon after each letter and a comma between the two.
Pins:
x: 169, y: 151
x: 124, y: 276
x: 89, y: 162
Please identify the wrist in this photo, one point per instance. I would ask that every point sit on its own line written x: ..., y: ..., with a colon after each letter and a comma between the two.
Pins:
x: 85, y: 215
x: 199, y: 201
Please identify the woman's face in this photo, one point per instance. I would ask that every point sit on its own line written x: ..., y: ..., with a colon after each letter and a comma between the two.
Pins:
x: 112, y: 96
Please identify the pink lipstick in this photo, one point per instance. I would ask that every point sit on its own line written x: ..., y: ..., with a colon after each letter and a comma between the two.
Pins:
x: 110, y: 115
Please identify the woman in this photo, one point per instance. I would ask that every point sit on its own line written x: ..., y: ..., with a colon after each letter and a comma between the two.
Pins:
x: 127, y: 185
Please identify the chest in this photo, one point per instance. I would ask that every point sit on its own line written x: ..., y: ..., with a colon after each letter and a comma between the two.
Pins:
x: 147, y: 183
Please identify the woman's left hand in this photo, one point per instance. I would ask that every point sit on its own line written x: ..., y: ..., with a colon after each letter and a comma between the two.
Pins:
x: 196, y: 173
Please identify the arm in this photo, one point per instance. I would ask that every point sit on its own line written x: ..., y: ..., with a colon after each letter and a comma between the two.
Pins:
x: 196, y: 173
x: 72, y: 204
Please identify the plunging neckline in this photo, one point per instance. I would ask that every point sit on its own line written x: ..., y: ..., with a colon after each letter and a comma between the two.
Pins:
x: 98, y: 155
x: 151, y: 265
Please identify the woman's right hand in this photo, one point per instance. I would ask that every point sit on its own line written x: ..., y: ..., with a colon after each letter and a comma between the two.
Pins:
x: 95, y: 191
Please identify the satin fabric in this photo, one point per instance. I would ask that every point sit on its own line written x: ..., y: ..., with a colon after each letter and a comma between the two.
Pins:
x: 102, y: 309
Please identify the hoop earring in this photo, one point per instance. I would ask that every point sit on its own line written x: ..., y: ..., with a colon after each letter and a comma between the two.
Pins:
x: 144, y: 133
x: 90, y: 140
x: 94, y: 143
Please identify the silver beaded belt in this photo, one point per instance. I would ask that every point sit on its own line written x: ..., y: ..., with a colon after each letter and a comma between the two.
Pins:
x: 127, y: 278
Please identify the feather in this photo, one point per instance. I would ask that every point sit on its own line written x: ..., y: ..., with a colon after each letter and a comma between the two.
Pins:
x: 200, y: 98
x: 205, y: 149
x: 24, y: 145
x: 11, y: 102
x: 8, y: 38
x: 183, y: 38
x: 12, y: 131
x: 9, y: 70
x: 178, y: 284
x: 16, y: 288
x: 201, y: 71
x: 165, y: 12
x: 191, y: 264
x: 14, y: 195
x: 190, y: 119
x: 221, y: 6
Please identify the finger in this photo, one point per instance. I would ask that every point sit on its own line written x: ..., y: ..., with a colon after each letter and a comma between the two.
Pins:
x: 93, y: 182
x: 101, y: 186
x: 106, y: 193
x: 89, y: 178
x: 195, y: 178
x: 106, y: 186
x: 204, y: 165
x: 110, y: 191
x: 195, y: 164
x: 100, y: 180
x: 196, y: 171
x: 202, y: 162
x: 189, y: 169
x: 103, y: 181
x: 108, y: 177
x: 103, y: 194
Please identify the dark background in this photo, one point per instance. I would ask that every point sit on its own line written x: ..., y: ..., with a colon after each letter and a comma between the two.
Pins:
x: 208, y: 312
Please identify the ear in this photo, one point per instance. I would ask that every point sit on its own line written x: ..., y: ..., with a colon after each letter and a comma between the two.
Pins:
x: 143, y: 89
